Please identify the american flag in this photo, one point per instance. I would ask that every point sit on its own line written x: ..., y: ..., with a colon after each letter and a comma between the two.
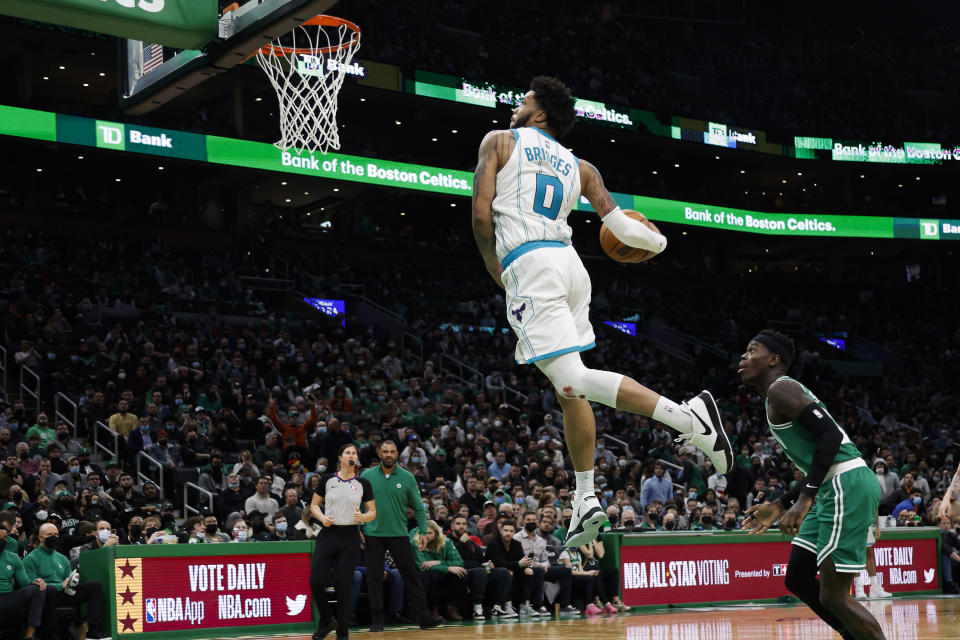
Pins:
x: 152, y: 57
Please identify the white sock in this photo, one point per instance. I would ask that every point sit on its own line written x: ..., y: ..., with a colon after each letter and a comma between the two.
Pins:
x: 584, y: 484
x: 673, y: 415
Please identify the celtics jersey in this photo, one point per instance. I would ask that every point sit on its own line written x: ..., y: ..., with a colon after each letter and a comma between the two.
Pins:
x: 799, y: 444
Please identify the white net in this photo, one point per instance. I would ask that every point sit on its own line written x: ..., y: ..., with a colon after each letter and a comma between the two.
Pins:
x: 306, y: 68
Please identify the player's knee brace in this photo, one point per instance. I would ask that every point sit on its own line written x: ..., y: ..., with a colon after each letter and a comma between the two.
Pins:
x: 573, y: 379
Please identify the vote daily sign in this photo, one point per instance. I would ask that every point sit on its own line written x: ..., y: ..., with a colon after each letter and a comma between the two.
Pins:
x: 202, y: 592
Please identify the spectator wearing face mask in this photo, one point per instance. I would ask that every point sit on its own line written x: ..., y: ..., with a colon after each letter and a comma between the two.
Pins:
x: 211, y: 530
x: 64, y: 587
x: 241, y: 531
x: 234, y: 497
x: 193, y: 526
x: 135, y: 531
x: 281, y: 528
x: 628, y: 519
x: 669, y: 522
x: 413, y: 453
x: 889, y: 481
x: 104, y: 536
x: 499, y: 468
x: 168, y: 455
x: 706, y: 522
x: 913, y: 503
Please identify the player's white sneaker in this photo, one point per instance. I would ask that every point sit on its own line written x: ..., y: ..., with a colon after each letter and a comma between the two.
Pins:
x: 585, y: 524
x: 877, y: 592
x: 859, y: 593
x: 708, y: 434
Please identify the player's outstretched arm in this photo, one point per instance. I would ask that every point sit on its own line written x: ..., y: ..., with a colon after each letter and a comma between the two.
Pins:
x: 484, y: 191
x: 629, y: 231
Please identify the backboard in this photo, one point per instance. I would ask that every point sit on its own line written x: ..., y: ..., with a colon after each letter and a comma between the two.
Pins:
x: 152, y: 75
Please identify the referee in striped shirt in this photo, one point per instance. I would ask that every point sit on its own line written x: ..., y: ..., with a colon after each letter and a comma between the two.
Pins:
x: 336, y: 504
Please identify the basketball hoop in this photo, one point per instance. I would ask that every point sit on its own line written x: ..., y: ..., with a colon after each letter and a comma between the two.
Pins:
x: 306, y: 68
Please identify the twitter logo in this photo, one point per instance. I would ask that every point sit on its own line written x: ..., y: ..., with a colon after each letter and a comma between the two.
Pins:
x: 296, y: 605
x: 928, y: 575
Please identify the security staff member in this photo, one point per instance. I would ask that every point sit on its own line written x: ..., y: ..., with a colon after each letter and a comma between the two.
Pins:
x: 397, y: 490
x: 336, y: 504
x: 17, y: 594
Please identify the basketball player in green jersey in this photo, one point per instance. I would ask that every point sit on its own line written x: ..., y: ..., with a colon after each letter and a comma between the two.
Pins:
x: 829, y: 512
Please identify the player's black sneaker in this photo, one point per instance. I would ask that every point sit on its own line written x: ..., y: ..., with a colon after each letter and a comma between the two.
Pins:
x: 585, y: 524
x: 708, y: 434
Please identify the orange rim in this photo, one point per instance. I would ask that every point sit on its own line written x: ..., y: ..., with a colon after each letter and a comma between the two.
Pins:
x: 322, y: 21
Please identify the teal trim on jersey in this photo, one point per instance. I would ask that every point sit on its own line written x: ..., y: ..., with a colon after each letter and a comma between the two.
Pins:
x: 588, y: 347
x: 553, y: 354
x: 527, y: 247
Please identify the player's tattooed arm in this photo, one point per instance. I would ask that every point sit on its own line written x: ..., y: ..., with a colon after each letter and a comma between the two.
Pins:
x: 484, y: 190
x: 594, y: 190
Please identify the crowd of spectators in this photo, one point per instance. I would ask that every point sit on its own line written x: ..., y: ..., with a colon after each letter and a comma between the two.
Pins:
x: 259, y: 408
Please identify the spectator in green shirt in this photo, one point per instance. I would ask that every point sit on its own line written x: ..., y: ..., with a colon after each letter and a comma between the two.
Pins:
x: 441, y: 568
x: 17, y: 594
x: 63, y: 586
x: 42, y: 428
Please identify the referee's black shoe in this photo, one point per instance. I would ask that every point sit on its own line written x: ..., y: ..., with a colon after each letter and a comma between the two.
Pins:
x: 429, y: 622
x: 324, y: 630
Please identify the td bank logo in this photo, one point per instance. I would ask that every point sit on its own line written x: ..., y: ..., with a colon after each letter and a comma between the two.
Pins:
x: 111, y: 135
x: 930, y: 229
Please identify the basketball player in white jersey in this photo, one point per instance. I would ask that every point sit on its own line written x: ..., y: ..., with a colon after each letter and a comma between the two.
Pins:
x: 525, y: 185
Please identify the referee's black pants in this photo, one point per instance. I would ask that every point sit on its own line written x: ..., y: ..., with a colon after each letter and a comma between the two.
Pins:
x: 340, y: 544
x: 402, y: 552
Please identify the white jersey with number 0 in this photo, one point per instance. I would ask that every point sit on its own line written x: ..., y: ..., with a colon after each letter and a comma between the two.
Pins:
x: 536, y: 190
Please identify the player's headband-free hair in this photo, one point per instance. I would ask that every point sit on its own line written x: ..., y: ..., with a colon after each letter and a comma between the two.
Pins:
x: 776, y: 346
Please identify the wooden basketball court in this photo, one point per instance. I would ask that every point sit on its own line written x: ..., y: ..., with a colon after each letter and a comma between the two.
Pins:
x: 901, y: 618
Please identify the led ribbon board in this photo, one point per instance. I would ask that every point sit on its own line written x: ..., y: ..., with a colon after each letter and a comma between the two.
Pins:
x: 491, y: 94
x: 54, y: 127
x: 878, y: 152
x: 331, y: 308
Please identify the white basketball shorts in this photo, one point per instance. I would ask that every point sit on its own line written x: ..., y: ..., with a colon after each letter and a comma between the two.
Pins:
x: 548, y: 300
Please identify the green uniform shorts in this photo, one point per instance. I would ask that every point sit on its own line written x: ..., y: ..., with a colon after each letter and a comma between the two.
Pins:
x: 837, y: 524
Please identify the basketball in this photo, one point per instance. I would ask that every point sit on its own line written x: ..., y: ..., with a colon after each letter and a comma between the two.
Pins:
x: 620, y: 252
